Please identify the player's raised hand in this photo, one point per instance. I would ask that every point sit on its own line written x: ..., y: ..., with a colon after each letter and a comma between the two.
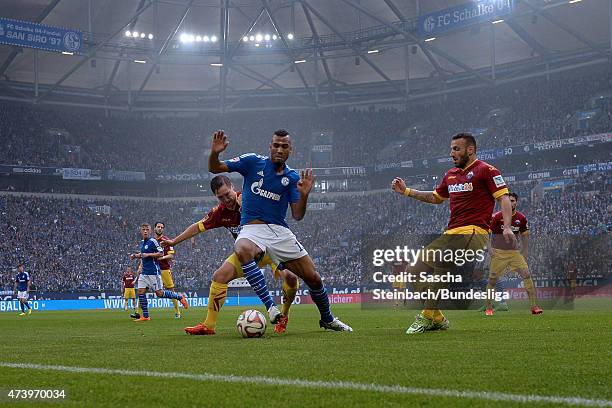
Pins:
x: 306, y: 182
x: 398, y: 185
x: 219, y: 142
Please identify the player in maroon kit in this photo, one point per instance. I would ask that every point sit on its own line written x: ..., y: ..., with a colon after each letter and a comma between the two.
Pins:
x: 506, y: 256
x: 472, y: 187
x: 129, y: 292
x: 165, y: 264
x: 227, y: 215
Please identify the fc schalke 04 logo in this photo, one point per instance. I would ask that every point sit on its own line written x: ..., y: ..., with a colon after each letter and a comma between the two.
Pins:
x: 285, y: 181
x: 72, y: 42
x: 429, y: 24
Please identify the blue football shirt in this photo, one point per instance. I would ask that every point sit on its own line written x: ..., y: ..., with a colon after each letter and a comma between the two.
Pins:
x: 265, y: 194
x: 150, y: 266
x: 22, y: 280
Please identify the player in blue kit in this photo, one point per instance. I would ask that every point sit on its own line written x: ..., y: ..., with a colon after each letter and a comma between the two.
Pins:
x: 149, y: 273
x: 22, y: 287
x: 270, y: 186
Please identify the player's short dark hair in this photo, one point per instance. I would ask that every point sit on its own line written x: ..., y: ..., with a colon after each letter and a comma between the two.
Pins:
x: 218, y: 181
x: 281, y: 133
x: 513, y: 194
x: 469, y: 138
x: 159, y: 222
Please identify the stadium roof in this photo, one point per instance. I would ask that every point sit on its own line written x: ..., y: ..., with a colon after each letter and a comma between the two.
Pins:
x: 342, y: 52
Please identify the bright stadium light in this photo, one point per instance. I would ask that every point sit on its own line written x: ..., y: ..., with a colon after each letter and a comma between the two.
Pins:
x: 142, y: 35
x: 128, y: 33
x: 497, y: 21
x: 574, y: 1
x: 290, y: 36
x: 140, y: 61
x: 373, y: 51
x: 299, y: 61
x: 430, y: 39
x: 259, y: 37
x: 150, y: 36
x: 67, y: 53
x: 216, y: 64
x: 274, y: 37
x: 213, y: 38
x: 267, y: 37
x: 252, y: 38
x: 135, y: 34
x: 198, y: 38
x: 245, y: 39
x: 257, y: 44
x: 206, y: 38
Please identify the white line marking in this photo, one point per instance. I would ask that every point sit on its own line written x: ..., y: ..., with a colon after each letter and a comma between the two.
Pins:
x: 333, y: 385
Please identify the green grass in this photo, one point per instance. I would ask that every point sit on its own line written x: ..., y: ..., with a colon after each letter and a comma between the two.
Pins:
x: 561, y: 353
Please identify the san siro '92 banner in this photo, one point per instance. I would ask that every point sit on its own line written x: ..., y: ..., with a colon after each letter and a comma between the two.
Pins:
x: 463, y: 15
x: 43, y: 37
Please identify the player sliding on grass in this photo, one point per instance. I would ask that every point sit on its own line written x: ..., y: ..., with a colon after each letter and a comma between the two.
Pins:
x: 270, y: 187
x: 149, y: 273
x: 472, y: 187
x: 227, y: 215
x: 505, y: 257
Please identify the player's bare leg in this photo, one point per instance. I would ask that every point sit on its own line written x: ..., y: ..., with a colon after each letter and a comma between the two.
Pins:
x: 305, y: 269
x: 531, y: 291
x: 218, y: 291
x: 247, y: 251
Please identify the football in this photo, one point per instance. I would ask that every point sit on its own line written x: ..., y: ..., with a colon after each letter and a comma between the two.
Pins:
x: 251, y: 323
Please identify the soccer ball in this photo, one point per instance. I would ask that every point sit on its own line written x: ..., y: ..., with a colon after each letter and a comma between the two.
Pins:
x: 251, y: 323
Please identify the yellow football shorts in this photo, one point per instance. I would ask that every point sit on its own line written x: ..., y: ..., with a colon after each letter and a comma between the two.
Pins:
x: 456, y: 239
x: 263, y: 262
x: 506, y: 260
x: 129, y: 293
x: 167, y: 280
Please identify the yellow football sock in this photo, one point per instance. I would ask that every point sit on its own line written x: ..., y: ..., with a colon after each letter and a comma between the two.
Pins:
x: 531, y: 292
x: 289, y: 296
x: 489, y: 301
x: 438, y: 316
x: 176, y: 306
x: 216, y: 298
x: 428, y: 313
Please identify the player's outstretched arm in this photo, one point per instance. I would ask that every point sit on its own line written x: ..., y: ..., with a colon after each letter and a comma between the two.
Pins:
x: 304, y: 186
x: 219, y: 143
x: 190, y: 232
x: 399, y: 186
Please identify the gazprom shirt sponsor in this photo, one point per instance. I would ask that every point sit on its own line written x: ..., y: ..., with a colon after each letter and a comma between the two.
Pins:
x: 256, y: 189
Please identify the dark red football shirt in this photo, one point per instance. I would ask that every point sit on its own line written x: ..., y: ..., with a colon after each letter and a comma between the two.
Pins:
x: 221, y: 216
x: 128, y: 280
x: 165, y: 264
x: 472, y: 192
x: 519, y: 226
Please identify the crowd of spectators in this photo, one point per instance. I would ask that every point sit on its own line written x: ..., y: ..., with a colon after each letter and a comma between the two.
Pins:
x: 526, y: 112
x: 68, y: 246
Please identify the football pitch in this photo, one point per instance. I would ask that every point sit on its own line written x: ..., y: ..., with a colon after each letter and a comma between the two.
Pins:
x: 102, y: 358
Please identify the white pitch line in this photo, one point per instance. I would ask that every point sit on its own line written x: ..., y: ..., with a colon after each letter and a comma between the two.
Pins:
x: 333, y: 385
